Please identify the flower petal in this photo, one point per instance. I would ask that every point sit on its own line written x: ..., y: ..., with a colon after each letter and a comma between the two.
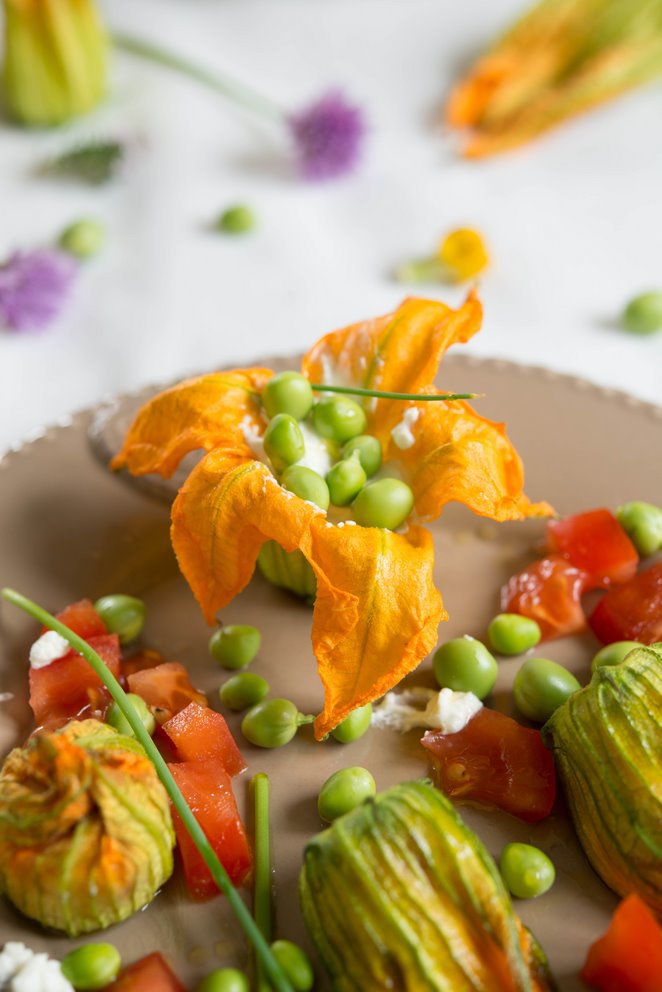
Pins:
x: 206, y: 412
x: 376, y: 613
x: 228, y: 507
x: 399, y: 352
x: 459, y: 456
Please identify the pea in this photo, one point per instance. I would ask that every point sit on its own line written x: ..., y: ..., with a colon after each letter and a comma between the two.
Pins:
x: 354, y: 725
x: 224, y: 980
x: 295, y: 963
x: 465, y: 665
x: 122, y: 615
x: 116, y: 718
x: 370, y: 452
x: 236, y: 220
x: 235, y: 646
x: 541, y: 686
x: 643, y: 314
x: 526, y: 870
x: 83, y: 239
x: 345, y: 480
x: 243, y: 690
x: 343, y: 791
x: 273, y: 723
x: 339, y: 418
x: 643, y: 524
x: 386, y: 503
x: 288, y: 392
x: 283, y: 441
x: 307, y: 484
x: 613, y: 654
x: 509, y: 633
x: 92, y: 966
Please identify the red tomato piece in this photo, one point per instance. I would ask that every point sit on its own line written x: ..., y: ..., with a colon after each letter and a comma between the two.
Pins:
x: 201, y: 734
x: 628, y: 958
x: 150, y: 974
x: 595, y: 543
x: 496, y: 761
x: 82, y: 618
x: 632, y: 611
x: 167, y: 688
x: 549, y: 591
x: 207, y: 789
x: 68, y: 684
x: 143, y: 658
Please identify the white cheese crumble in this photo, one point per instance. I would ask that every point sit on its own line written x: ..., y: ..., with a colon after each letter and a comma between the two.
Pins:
x: 446, y: 710
x: 317, y: 455
x: 21, y: 970
x: 48, y: 648
x: 254, y: 440
x: 401, y: 433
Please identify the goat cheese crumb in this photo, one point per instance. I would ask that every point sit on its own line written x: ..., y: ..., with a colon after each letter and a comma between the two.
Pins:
x: 446, y: 710
x: 401, y: 433
x: 49, y: 647
x: 21, y: 970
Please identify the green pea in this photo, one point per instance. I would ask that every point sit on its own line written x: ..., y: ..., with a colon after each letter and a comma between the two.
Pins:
x: 116, y: 718
x: 345, y: 480
x: 288, y: 392
x: 510, y: 633
x: 235, y: 646
x: 370, y: 452
x: 386, y: 503
x: 643, y: 314
x: 526, y: 870
x: 643, y: 525
x: 236, y: 220
x: 224, y: 980
x: 307, y: 484
x: 92, y: 966
x: 283, y: 441
x: 83, y: 239
x: 122, y: 615
x: 273, y: 723
x: 613, y: 654
x: 541, y: 686
x: 339, y: 418
x: 343, y: 791
x: 465, y: 665
x: 354, y: 725
x: 243, y: 690
x: 295, y: 963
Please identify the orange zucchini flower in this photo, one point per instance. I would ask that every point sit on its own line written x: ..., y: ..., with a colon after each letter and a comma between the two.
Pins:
x: 377, y: 610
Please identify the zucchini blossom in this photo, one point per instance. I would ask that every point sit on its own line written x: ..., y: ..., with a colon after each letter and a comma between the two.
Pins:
x: 86, y: 835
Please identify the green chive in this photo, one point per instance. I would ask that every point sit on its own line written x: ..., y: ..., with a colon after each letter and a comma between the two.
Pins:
x: 419, y: 397
x: 261, y: 788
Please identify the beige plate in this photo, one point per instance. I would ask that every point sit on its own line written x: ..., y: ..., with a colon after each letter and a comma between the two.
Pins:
x: 70, y: 529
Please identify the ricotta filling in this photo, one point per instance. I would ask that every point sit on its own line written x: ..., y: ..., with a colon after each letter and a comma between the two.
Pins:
x: 49, y: 647
x: 402, y: 433
x: 317, y: 455
x: 445, y: 710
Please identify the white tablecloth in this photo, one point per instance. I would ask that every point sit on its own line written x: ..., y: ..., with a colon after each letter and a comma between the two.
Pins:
x: 574, y: 222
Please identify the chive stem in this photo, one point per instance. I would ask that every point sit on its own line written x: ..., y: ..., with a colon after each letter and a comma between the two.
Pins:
x: 261, y: 790
x: 218, y: 872
x: 319, y: 387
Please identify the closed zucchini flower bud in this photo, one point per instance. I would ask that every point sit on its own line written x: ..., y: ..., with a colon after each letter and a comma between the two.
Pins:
x: 55, y: 60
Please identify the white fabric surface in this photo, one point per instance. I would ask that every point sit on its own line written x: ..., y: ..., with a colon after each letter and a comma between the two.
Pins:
x: 574, y: 222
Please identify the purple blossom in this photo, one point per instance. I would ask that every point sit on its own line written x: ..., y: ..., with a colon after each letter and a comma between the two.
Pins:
x: 34, y: 286
x: 328, y: 135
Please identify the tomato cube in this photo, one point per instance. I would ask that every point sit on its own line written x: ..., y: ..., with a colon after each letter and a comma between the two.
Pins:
x: 549, y: 591
x: 82, y: 618
x: 632, y: 611
x: 69, y: 684
x: 167, y: 688
x: 207, y: 788
x: 150, y: 974
x: 201, y: 734
x: 594, y: 543
x: 628, y: 958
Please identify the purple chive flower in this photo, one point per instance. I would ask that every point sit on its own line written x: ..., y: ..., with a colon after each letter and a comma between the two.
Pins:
x: 34, y: 285
x: 328, y: 135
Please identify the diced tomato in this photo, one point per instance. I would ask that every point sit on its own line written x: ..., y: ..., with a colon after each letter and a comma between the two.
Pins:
x: 628, y: 958
x: 69, y: 684
x: 549, y: 591
x: 496, y: 761
x: 595, y: 543
x: 82, y: 618
x: 201, y: 734
x: 633, y: 611
x: 150, y: 974
x: 207, y: 789
x: 144, y: 658
x: 167, y: 688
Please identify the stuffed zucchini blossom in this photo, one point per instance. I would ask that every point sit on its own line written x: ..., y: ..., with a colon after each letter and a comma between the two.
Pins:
x: 376, y: 609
